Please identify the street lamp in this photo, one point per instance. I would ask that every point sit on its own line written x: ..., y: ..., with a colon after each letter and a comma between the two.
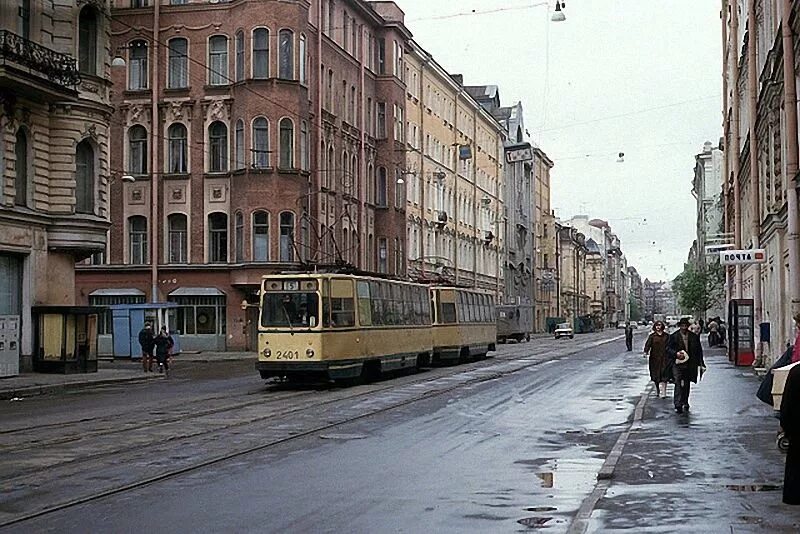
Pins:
x: 558, y: 15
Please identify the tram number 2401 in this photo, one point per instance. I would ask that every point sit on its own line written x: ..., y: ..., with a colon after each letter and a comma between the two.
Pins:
x: 287, y: 355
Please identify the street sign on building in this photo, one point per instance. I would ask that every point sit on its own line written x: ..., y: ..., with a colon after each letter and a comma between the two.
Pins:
x: 743, y: 257
x: 716, y: 249
x: 523, y: 152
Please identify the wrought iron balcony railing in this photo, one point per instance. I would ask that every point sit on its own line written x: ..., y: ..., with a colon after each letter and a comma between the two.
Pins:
x: 59, y: 68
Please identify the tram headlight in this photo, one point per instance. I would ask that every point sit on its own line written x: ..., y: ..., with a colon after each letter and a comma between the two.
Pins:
x: 310, y: 353
x: 266, y: 352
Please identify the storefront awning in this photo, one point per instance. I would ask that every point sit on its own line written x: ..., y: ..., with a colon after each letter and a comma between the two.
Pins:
x: 120, y: 292
x: 196, y: 292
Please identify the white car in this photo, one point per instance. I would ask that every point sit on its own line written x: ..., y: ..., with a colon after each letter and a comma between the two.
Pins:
x: 564, y: 330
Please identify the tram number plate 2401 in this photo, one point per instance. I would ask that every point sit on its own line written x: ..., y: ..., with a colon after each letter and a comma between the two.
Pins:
x: 287, y: 355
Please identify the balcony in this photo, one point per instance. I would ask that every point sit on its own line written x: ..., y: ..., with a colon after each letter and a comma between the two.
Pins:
x: 27, y: 67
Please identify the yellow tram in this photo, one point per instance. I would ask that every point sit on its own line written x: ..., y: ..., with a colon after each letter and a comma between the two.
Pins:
x: 341, y: 326
x: 464, y: 324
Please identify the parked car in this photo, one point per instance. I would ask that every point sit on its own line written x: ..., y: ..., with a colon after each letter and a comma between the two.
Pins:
x: 564, y: 330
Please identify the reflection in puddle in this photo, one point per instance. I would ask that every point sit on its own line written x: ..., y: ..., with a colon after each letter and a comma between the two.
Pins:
x: 573, y: 475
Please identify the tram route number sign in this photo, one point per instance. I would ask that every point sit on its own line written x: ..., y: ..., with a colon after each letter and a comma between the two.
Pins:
x: 743, y: 257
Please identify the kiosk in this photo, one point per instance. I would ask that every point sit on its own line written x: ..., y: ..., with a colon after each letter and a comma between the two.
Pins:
x: 128, y: 320
x: 741, y: 343
x: 65, y: 338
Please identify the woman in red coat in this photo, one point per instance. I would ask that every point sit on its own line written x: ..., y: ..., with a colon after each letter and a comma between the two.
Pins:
x: 656, y: 349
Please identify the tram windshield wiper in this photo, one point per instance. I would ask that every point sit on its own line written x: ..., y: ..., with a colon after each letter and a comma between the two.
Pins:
x: 288, y: 319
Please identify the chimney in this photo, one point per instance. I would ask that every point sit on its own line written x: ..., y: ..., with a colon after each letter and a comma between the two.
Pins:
x: 458, y: 78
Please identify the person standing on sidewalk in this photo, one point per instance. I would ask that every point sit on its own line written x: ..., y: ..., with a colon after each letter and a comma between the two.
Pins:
x: 164, y: 343
x: 629, y: 336
x: 146, y: 343
x: 790, y: 423
x: 656, y: 349
x: 685, y: 355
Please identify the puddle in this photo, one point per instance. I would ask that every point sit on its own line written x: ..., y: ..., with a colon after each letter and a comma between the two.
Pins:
x: 541, y: 509
x: 535, y: 522
x: 572, y: 475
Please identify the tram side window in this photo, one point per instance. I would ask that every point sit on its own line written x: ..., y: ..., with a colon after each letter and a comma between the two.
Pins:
x: 376, y: 303
x: 416, y: 294
x: 342, y: 312
x: 426, y: 306
x: 447, y: 311
x: 484, y: 308
x: 408, y: 298
x: 396, y: 317
x: 364, y: 304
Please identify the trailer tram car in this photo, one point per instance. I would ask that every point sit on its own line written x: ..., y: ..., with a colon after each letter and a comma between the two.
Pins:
x: 514, y: 321
x: 338, y: 326
x: 464, y: 324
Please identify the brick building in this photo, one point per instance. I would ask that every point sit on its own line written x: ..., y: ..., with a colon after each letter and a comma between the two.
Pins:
x: 259, y: 134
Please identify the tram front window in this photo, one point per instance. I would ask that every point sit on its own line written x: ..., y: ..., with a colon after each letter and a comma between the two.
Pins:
x: 290, y: 310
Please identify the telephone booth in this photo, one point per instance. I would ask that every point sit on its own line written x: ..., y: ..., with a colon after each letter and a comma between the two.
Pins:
x: 65, y: 338
x: 741, y: 343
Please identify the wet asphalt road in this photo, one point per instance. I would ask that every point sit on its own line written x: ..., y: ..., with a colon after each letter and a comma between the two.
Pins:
x: 508, y: 444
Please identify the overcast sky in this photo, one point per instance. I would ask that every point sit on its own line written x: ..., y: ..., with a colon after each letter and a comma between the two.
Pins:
x: 641, y: 77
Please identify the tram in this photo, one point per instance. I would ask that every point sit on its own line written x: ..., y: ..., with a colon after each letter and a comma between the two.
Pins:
x: 514, y: 321
x: 464, y: 324
x: 339, y: 326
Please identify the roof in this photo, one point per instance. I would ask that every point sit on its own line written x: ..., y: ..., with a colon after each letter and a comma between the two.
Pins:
x: 196, y: 292
x: 117, y: 292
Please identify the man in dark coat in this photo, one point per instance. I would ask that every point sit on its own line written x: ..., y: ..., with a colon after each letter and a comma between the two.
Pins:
x: 790, y: 422
x: 146, y: 337
x: 629, y: 336
x: 685, y: 354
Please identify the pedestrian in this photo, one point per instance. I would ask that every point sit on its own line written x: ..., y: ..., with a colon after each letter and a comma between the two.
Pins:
x: 702, y: 325
x: 790, y: 423
x: 629, y: 336
x: 685, y: 354
x: 713, y: 333
x: 695, y: 329
x: 164, y: 343
x: 655, y: 348
x: 146, y: 343
x: 796, y: 347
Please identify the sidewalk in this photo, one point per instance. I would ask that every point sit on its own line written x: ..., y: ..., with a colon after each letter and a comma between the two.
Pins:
x: 716, y: 469
x: 209, y: 357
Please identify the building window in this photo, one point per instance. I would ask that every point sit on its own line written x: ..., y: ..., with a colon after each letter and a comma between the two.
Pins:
x: 239, y: 56
x: 287, y: 236
x: 137, y: 240
x: 21, y: 169
x: 381, y: 196
x: 137, y: 66
x: 24, y: 18
x: 178, y: 68
x: 87, y: 41
x: 304, y: 159
x: 140, y: 3
x: 380, y: 127
x: 178, y: 2
x: 238, y: 236
x: 261, y: 236
x: 217, y: 238
x: 398, y: 256
x: 200, y: 315
x: 303, y: 60
x: 177, y: 149
x: 218, y: 60
x: 238, y: 141
x: 399, y: 190
x: 218, y: 141
x: 287, y: 144
x: 286, y: 55
x: 398, y: 59
x: 84, y: 177
x: 260, y: 143
x: 137, y: 150
x: 381, y: 51
x: 260, y: 53
x: 177, y: 238
x: 383, y: 253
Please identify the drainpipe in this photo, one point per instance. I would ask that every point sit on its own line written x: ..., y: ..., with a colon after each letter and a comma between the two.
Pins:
x: 154, y: 125
x: 755, y: 197
x: 736, y: 146
x: 790, y: 105
x: 320, y: 165
x: 362, y: 189
x: 726, y: 223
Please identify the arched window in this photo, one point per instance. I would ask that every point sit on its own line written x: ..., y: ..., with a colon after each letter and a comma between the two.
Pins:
x: 137, y: 150
x: 21, y: 169
x: 178, y: 238
x: 137, y: 240
x: 238, y: 141
x: 287, y: 143
x: 84, y: 177
x: 260, y: 143
x: 218, y: 60
x: 304, y: 159
x: 217, y: 238
x: 344, y: 172
x: 218, y: 147
x: 239, y: 236
x: 303, y: 60
x: 286, y: 55
x: 330, y: 167
x: 287, y: 236
x: 260, y: 53
x: 381, y: 199
x: 260, y: 236
x: 177, y: 149
x: 87, y: 41
x: 178, y: 68
x: 137, y: 65
x: 239, y: 56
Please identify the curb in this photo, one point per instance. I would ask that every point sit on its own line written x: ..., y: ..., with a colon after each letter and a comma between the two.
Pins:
x: 45, y: 389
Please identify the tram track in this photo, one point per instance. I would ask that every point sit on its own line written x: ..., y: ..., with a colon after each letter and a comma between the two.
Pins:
x: 252, y: 433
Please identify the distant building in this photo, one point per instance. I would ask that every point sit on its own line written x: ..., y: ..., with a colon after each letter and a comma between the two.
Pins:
x: 707, y: 190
